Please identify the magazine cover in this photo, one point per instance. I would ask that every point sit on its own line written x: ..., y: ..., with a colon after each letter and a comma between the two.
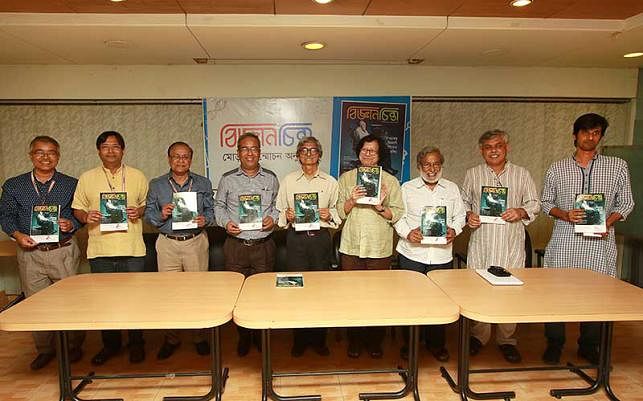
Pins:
x: 185, y: 210
x: 112, y: 207
x: 493, y: 203
x: 433, y: 225
x: 594, y: 207
x: 250, y: 213
x: 370, y: 179
x: 306, y: 211
x: 44, y: 223
x: 289, y: 280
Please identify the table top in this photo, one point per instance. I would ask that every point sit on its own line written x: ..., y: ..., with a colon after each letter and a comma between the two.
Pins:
x: 343, y: 299
x: 548, y: 295
x: 177, y: 300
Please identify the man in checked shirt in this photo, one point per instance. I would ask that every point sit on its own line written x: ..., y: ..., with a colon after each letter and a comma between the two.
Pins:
x: 584, y: 172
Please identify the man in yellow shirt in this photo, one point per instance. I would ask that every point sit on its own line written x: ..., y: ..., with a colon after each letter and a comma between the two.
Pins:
x: 113, y: 251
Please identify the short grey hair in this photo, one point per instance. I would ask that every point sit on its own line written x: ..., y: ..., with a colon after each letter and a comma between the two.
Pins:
x: 491, y: 134
x: 425, y: 151
x: 248, y: 135
x: 310, y: 139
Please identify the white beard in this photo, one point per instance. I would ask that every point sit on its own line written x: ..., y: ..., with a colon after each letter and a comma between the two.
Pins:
x: 431, y: 180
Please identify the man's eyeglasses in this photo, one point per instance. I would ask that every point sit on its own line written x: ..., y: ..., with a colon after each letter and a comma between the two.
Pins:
x: 309, y: 151
x: 251, y: 149
x: 41, y: 153
x: 435, y: 165
x: 180, y: 157
x: 368, y: 151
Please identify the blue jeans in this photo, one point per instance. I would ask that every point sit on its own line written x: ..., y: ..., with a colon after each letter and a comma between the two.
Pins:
x: 435, y: 335
x: 119, y: 264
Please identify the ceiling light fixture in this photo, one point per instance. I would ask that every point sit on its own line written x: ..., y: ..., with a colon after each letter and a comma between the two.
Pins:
x: 521, y: 3
x: 322, y: 1
x: 632, y: 55
x: 116, y: 1
x: 313, y: 45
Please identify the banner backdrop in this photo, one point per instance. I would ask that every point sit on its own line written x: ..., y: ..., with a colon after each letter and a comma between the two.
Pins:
x: 279, y: 122
x: 386, y: 117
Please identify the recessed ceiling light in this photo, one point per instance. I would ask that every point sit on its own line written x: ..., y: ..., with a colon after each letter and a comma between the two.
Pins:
x: 632, y: 55
x: 322, y: 1
x: 521, y: 3
x: 313, y: 45
x: 116, y: 1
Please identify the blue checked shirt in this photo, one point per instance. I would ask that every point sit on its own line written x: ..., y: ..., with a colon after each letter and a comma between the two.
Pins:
x: 19, y: 197
x: 563, y: 181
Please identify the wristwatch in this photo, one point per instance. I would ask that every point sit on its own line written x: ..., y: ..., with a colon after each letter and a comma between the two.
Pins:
x: 382, y: 210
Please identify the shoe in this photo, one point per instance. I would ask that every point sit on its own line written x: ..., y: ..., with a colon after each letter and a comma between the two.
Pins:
x: 166, y: 350
x: 375, y: 351
x: 243, y: 346
x: 321, y: 350
x: 590, y: 354
x: 136, y: 353
x: 75, y: 355
x: 440, y: 353
x: 474, y: 346
x: 41, y: 361
x: 551, y: 356
x: 202, y: 348
x: 510, y: 352
x: 103, y: 356
x: 297, y: 350
x: 354, y: 350
x: 404, y: 352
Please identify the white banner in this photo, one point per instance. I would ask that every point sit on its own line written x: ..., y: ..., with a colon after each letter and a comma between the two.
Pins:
x: 279, y: 122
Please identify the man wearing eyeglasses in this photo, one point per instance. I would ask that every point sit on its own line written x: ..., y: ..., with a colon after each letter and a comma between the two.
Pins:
x: 179, y: 248
x: 308, y: 250
x: 41, y: 265
x: 247, y: 251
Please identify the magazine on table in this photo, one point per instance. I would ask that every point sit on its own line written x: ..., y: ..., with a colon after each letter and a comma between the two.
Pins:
x: 290, y: 280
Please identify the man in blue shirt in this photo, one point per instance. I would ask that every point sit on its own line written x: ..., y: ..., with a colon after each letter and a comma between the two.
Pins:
x: 40, y: 265
x: 168, y: 208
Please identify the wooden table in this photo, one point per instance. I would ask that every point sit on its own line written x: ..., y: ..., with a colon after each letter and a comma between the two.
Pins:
x: 548, y: 295
x: 343, y: 299
x: 185, y: 300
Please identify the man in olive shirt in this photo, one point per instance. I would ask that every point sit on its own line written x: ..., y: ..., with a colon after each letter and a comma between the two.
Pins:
x: 309, y: 250
x: 115, y: 251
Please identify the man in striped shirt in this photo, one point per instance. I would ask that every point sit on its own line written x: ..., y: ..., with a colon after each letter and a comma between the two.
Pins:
x: 493, y: 244
x: 585, y: 172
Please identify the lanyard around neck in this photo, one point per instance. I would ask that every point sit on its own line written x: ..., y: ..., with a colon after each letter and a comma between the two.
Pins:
x: 174, y: 188
x: 41, y: 198
x: 111, y: 187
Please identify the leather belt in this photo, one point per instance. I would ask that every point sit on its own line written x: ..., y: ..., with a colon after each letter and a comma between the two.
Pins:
x: 181, y: 237
x: 52, y: 246
x: 250, y: 242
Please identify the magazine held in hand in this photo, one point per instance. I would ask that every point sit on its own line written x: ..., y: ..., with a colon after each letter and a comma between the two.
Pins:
x: 493, y: 203
x: 433, y: 225
x: 594, y: 207
x: 44, y: 223
x: 370, y: 178
x: 112, y: 209
x: 306, y: 211
x: 185, y: 210
x: 250, y: 213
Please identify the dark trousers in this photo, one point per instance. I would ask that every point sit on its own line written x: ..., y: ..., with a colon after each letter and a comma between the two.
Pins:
x: 119, y: 264
x: 248, y: 260
x: 309, y: 251
x: 371, y: 337
x: 590, y: 333
x: 435, y: 335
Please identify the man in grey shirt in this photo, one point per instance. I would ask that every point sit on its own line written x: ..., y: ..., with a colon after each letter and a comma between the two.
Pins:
x: 247, y: 251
